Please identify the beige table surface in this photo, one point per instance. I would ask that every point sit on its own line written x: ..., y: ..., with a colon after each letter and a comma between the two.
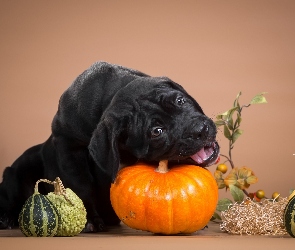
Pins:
x: 122, y: 237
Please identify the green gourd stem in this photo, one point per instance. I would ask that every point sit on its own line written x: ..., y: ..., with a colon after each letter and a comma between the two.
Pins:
x: 163, y: 167
x: 59, y: 189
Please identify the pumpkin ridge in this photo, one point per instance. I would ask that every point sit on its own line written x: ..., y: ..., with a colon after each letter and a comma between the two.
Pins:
x: 196, y: 174
x: 149, y: 173
x: 136, y: 174
x: 198, y: 170
x: 170, y: 204
x: 152, y: 205
x: 185, y: 177
x: 146, y: 191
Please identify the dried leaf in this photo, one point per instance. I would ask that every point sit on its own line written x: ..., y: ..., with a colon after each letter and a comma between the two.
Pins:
x: 252, y: 179
x: 223, y: 204
x: 215, y: 216
x: 219, y: 117
x: 259, y: 99
x: 238, y: 96
x: 227, y: 114
x: 222, y: 116
x: 242, y: 184
x: 237, y: 194
x: 245, y: 172
x: 231, y: 112
x: 231, y: 179
x: 226, y: 132
x: 230, y: 123
x: 219, y: 123
x: 220, y: 184
x: 219, y: 179
x: 236, y: 102
x: 218, y: 174
x: 239, y: 119
x: 237, y: 134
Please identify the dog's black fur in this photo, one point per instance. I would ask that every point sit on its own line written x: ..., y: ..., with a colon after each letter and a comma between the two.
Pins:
x: 109, y: 116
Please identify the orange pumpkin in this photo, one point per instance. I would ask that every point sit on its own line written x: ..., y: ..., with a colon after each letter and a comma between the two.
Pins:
x: 181, y: 199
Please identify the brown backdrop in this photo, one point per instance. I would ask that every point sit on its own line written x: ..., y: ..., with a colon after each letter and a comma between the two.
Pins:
x: 213, y: 48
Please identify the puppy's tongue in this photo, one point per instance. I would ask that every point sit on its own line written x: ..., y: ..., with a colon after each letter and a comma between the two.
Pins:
x: 202, y: 155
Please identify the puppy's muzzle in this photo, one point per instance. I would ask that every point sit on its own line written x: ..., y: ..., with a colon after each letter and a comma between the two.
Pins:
x: 207, y: 156
x: 201, y: 145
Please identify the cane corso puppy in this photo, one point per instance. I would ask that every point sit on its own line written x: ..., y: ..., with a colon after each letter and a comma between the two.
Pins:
x: 109, y: 117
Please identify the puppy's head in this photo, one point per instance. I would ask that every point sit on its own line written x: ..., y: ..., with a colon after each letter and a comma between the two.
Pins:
x: 153, y: 119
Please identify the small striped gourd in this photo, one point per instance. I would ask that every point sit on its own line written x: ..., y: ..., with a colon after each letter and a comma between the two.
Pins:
x: 39, y: 217
x: 289, y: 215
x: 59, y: 213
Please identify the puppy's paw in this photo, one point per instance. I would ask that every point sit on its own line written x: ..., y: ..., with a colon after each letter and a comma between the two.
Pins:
x: 89, y: 228
x: 5, y: 221
x: 97, y: 225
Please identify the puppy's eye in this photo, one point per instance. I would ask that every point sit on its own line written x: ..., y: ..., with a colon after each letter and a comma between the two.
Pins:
x: 156, y: 131
x: 180, y: 100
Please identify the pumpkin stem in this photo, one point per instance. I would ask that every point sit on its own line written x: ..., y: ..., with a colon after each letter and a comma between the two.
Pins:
x: 59, y: 189
x: 163, y: 167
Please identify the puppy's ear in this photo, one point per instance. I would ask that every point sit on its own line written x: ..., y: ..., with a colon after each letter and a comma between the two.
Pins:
x: 129, y: 129
x: 103, y: 146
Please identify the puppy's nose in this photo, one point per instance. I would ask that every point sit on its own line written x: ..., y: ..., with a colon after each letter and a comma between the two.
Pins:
x: 202, y: 133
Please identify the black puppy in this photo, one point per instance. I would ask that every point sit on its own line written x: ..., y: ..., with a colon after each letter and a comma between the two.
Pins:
x: 110, y: 116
